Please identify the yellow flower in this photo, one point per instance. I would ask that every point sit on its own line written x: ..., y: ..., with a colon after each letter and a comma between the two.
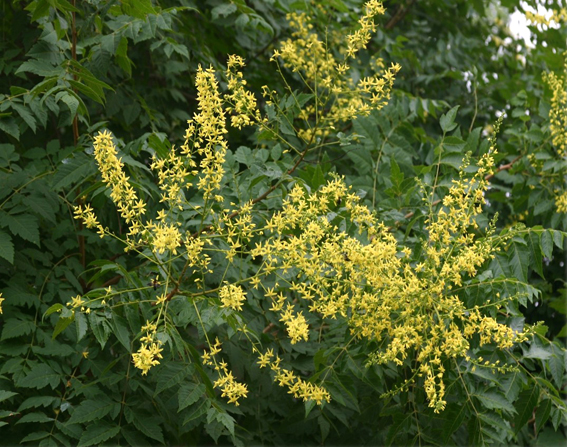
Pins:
x: 147, y: 356
x: 1, y: 301
x: 232, y: 296
x: 76, y: 301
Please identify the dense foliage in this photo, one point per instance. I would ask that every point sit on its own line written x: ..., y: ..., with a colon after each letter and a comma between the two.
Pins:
x: 282, y: 222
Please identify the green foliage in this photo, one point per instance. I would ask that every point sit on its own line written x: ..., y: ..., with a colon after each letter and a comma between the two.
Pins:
x: 70, y: 69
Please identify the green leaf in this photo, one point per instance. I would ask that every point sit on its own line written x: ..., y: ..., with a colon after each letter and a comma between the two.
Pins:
x: 49, y: 442
x: 73, y: 172
x: 81, y: 325
x: 198, y: 412
x: 309, y: 405
x: 534, y: 246
x: 40, y: 206
x: 97, y: 433
x: 495, y: 401
x: 25, y: 115
x: 170, y: 375
x: 15, y: 328
x: 138, y: 8
x: 38, y: 9
x: 6, y: 247
x: 557, y: 365
x: 546, y: 244
x: 122, y: 58
x: 120, y: 326
x: 511, y: 385
x: 244, y: 155
x: 227, y: 420
x: 25, y: 226
x: 401, y: 424
x: 39, y: 377
x: 447, y: 120
x: 537, y: 350
x: 62, y: 324
x: 224, y: 10
x: 453, y: 144
x: 36, y: 417
x: 57, y: 307
x: 519, y: 259
x: 396, y: 175
x: 69, y: 100
x: 325, y: 428
x: 557, y: 238
x: 147, y: 425
x: 10, y: 126
x: 88, y: 91
x: 37, y: 401
x: 453, y: 417
x: 189, y: 394
x: 44, y: 85
x: 6, y: 394
x: 527, y: 400
x: 100, y: 328
x: 40, y: 68
x: 35, y: 436
x: 92, y: 410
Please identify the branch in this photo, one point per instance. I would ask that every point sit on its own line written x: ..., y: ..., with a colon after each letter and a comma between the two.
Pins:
x: 262, y: 196
x: 487, y: 177
x: 503, y: 168
x: 175, y: 289
x: 400, y: 14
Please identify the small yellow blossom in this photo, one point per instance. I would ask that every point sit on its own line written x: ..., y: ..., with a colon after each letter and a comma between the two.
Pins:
x: 558, y: 112
x: 76, y: 301
x: 148, y: 355
x: 232, y: 296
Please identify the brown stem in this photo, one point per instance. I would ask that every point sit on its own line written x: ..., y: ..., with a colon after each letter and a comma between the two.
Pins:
x: 503, y: 167
x: 268, y: 328
x: 400, y: 14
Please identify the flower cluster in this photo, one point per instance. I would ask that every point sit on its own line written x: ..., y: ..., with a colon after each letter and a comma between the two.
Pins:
x: 558, y: 112
x: 112, y: 170
x: 556, y: 16
x: 242, y: 102
x: 360, y: 38
x: 338, y: 98
x: 232, y: 296
x: 149, y: 353
x: 205, y: 134
x: 236, y: 228
x: 87, y: 215
x: 173, y: 174
x: 406, y: 305
x: 164, y: 236
x: 295, y: 323
x: 561, y: 202
x: 226, y: 381
x: 299, y: 388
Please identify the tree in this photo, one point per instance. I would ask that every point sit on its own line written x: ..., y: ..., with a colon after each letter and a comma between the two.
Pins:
x: 340, y: 223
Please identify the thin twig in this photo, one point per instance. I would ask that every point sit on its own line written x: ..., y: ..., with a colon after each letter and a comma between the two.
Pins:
x: 487, y: 177
x: 400, y: 14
